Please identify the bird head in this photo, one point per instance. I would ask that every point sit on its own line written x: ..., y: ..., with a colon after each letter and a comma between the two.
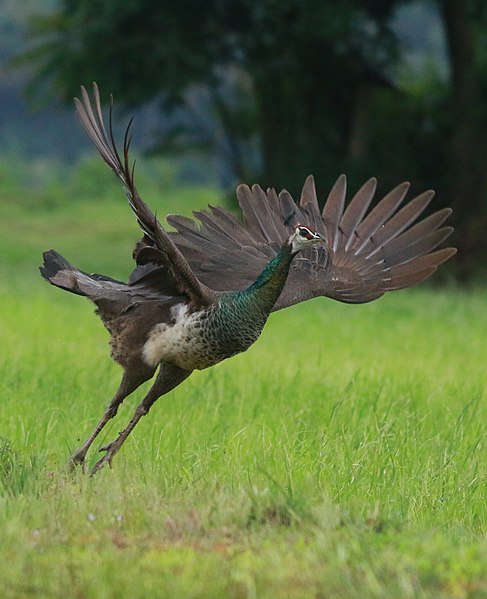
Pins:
x: 304, y: 237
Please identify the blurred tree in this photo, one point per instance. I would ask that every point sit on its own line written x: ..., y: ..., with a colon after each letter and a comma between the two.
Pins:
x: 466, y: 32
x: 293, y: 76
x: 431, y: 129
x: 309, y: 86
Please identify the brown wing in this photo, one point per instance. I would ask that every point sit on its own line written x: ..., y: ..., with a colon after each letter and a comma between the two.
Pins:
x: 366, y: 253
x: 162, y: 265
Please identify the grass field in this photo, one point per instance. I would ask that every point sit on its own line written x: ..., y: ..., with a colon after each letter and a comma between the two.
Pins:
x: 344, y: 455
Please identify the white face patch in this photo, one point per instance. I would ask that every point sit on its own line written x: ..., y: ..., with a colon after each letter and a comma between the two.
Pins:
x: 303, y: 237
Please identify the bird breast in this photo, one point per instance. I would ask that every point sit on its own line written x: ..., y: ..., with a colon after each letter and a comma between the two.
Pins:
x: 198, y: 340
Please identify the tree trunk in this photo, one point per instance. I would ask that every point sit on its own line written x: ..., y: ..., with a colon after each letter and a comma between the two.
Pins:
x: 468, y: 147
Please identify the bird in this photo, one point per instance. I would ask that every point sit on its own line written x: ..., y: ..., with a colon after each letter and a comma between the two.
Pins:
x: 202, y: 293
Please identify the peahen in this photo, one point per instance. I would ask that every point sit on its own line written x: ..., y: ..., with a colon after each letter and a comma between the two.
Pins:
x: 203, y: 293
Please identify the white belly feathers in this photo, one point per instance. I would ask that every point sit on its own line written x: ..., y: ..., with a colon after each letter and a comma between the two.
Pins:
x: 178, y: 343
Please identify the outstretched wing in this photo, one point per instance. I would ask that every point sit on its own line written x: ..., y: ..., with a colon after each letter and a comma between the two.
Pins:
x: 366, y: 253
x: 161, y: 264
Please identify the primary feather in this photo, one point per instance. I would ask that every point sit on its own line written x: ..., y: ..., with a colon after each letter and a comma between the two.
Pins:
x: 365, y: 255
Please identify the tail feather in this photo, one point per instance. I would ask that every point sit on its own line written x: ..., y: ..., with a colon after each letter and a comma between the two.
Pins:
x: 61, y: 273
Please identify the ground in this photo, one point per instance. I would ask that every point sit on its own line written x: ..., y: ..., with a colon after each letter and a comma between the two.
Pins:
x: 342, y: 456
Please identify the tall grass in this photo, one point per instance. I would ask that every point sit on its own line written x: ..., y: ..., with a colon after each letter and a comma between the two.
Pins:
x: 342, y: 456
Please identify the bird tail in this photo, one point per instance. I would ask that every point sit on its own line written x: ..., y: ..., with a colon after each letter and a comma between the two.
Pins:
x: 59, y: 272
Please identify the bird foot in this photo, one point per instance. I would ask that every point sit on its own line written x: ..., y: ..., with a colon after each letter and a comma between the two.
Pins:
x: 111, y: 449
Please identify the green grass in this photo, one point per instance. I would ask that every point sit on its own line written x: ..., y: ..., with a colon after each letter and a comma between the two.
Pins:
x: 344, y: 455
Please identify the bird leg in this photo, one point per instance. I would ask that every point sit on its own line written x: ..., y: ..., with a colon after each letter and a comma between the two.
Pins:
x: 130, y: 381
x: 168, y: 378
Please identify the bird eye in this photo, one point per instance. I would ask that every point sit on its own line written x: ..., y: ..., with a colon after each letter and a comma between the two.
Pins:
x: 304, y: 232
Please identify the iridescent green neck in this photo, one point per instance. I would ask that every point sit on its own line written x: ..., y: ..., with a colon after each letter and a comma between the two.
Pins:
x: 269, y: 284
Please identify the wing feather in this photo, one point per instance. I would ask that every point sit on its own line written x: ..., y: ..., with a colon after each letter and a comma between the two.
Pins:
x: 367, y: 252
x: 355, y: 212
x: 379, y: 215
x: 165, y: 251
x: 398, y: 223
x: 333, y: 211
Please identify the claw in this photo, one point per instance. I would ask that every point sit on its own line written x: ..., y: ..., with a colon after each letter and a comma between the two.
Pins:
x: 111, y: 449
x: 106, y: 458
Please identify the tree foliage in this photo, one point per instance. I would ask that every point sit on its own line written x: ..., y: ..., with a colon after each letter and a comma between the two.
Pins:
x: 291, y: 74
x: 310, y: 86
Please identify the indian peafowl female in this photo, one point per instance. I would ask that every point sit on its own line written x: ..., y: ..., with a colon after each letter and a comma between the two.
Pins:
x: 203, y: 293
